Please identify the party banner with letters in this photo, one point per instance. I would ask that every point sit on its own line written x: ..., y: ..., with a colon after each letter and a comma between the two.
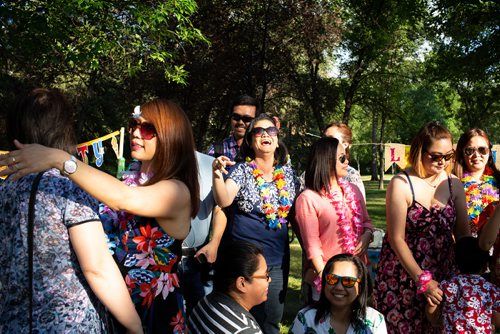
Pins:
x: 398, y: 154
x: 95, y: 146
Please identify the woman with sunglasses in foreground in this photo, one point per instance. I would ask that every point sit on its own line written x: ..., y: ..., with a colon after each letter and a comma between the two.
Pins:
x: 426, y: 212
x: 330, y: 214
x: 342, y: 305
x: 241, y: 282
x: 260, y: 192
x: 148, y: 215
x: 475, y: 167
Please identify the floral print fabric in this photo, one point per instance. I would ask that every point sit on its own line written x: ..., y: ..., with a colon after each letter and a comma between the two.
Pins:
x: 147, y: 257
x: 429, y: 235
x: 469, y: 301
x: 62, y: 300
x: 304, y: 323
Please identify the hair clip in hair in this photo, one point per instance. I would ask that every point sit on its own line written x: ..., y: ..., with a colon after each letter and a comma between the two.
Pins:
x: 137, y: 112
x: 277, y: 121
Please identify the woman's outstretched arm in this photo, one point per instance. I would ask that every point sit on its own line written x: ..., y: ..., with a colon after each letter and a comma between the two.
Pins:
x: 167, y: 200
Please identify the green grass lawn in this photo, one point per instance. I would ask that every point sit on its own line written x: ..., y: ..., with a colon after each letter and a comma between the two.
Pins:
x: 375, y: 199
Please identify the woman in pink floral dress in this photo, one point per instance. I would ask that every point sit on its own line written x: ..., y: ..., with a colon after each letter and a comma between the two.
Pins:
x: 148, y: 215
x: 426, y: 210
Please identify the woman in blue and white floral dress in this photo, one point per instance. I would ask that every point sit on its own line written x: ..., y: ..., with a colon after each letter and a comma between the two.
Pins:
x: 149, y: 214
x: 259, y: 193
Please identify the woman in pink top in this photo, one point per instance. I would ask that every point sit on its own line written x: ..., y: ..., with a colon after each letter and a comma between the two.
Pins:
x: 331, y: 214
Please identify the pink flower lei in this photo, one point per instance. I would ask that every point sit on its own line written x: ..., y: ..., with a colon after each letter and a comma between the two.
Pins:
x: 350, y: 229
x: 133, y: 175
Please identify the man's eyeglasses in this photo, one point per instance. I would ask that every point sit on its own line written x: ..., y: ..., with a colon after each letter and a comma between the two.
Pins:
x: 342, y: 158
x: 245, y: 119
x: 147, y: 130
x: 347, y: 281
x: 483, y: 150
x: 267, y: 277
x: 271, y: 131
x: 440, y: 157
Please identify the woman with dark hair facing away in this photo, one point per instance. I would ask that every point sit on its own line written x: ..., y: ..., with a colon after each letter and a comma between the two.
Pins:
x: 470, y: 303
x: 331, y: 213
x: 476, y: 169
x: 146, y: 216
x: 241, y: 281
x: 342, y: 305
x: 54, y: 256
x: 260, y: 192
x: 426, y: 213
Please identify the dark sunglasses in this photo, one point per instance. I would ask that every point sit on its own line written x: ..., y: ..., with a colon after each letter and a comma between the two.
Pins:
x: 483, y: 150
x: 440, y: 157
x: 267, y: 277
x: 347, y: 281
x: 272, y: 131
x: 245, y: 119
x: 147, y: 130
x: 342, y: 158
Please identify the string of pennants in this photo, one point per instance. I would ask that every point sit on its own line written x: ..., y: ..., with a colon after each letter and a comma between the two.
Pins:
x: 95, y: 147
x: 394, y: 153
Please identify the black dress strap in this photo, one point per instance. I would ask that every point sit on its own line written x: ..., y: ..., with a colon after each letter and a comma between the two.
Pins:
x: 411, y: 185
x: 450, y: 185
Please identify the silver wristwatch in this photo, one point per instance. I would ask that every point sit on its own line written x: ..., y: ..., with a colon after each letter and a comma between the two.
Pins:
x: 69, y: 166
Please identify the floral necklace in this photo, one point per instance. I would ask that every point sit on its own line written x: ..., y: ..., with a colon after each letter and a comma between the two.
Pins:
x: 275, y: 216
x: 479, y: 194
x: 350, y: 229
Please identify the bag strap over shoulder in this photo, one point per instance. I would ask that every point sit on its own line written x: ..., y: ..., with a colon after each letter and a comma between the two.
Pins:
x: 31, y: 221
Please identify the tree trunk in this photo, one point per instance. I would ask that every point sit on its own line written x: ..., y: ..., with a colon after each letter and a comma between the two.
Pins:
x: 381, y: 149
x: 374, y: 147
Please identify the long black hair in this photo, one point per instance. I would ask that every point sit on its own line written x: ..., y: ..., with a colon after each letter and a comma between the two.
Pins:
x: 246, y: 150
x: 321, y: 164
x: 364, y: 291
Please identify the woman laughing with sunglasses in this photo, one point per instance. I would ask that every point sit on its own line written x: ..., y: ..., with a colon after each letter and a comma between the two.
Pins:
x: 426, y: 212
x: 330, y: 214
x: 342, y: 306
x: 475, y: 167
x: 260, y: 192
x: 146, y: 216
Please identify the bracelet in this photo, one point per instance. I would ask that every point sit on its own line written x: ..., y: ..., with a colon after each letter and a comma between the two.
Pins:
x: 317, y: 283
x: 423, y: 280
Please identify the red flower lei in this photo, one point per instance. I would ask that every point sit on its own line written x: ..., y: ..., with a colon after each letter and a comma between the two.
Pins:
x: 350, y: 229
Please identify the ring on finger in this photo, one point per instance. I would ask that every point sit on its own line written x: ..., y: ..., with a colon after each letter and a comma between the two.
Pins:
x: 13, y: 160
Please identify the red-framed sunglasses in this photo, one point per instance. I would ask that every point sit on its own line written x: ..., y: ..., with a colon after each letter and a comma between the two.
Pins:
x: 147, y: 130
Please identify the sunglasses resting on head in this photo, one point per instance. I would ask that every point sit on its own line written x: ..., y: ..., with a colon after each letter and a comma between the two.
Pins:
x: 147, y: 130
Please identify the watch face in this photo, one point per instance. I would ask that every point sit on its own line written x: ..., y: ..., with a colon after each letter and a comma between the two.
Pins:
x: 70, y: 166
